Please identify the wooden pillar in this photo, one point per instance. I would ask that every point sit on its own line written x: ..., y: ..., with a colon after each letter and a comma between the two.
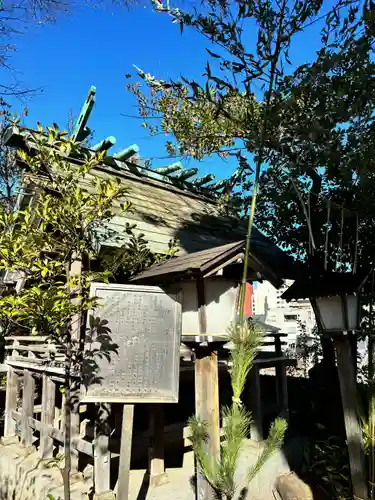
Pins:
x: 11, y: 402
x: 75, y: 430
x: 125, y: 452
x: 15, y: 344
x: 284, y: 392
x: 47, y: 417
x: 62, y: 421
x: 207, y: 409
x: 206, y: 393
x: 353, y: 430
x: 278, y: 372
x: 102, y: 456
x: 256, y: 425
x: 158, y: 476
x: 27, y: 408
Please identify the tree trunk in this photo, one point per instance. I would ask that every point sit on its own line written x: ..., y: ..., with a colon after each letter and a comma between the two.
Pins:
x: 68, y: 421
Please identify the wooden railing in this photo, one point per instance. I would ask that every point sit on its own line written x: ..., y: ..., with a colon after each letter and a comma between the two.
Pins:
x: 29, y: 362
x: 33, y: 351
x: 273, y: 342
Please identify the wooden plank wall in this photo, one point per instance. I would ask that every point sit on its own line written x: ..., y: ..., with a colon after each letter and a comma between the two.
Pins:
x: 163, y: 212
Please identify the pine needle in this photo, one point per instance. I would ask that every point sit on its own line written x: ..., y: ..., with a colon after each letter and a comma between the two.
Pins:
x: 199, y: 436
x: 246, y: 339
x: 274, y: 441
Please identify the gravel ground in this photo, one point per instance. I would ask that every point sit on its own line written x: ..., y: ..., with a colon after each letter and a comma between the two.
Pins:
x: 179, y: 488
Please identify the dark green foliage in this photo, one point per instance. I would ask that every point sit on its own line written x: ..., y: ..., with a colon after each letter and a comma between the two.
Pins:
x: 328, y: 465
x: 45, y: 241
x: 312, y: 124
x: 10, y: 172
x: 133, y: 257
x: 307, y: 130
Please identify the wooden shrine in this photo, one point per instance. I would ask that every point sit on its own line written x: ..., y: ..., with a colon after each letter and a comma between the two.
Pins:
x: 168, y: 203
x: 209, y: 284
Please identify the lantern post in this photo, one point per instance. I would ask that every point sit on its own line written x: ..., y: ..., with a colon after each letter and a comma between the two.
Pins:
x: 335, y: 298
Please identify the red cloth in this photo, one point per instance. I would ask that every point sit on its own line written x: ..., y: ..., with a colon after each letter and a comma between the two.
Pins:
x: 248, y: 311
x: 248, y: 306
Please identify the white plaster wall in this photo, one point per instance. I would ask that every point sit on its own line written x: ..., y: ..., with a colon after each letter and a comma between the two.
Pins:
x: 221, y: 302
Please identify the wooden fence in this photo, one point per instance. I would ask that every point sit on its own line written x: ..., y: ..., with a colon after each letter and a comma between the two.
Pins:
x: 34, y: 407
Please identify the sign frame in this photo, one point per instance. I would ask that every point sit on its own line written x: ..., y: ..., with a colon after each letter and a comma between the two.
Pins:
x: 86, y: 397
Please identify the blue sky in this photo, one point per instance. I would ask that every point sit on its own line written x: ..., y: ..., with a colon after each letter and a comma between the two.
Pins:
x: 98, y: 46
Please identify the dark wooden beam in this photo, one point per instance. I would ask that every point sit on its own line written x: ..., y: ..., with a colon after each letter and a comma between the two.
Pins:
x: 206, y: 394
x: 353, y: 429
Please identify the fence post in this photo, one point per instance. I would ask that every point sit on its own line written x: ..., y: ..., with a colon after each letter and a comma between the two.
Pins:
x: 75, y: 429
x: 206, y: 393
x: 27, y: 408
x: 15, y: 352
x: 158, y: 476
x: 102, y: 456
x: 125, y: 452
x: 62, y: 421
x: 10, y: 402
x: 47, y: 417
x: 207, y: 410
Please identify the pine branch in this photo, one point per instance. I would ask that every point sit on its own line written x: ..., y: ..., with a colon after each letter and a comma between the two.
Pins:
x: 208, y: 466
x: 246, y: 339
x: 220, y: 474
x: 274, y: 441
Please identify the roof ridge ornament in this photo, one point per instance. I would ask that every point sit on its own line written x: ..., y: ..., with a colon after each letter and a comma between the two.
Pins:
x: 80, y: 131
x: 128, y: 159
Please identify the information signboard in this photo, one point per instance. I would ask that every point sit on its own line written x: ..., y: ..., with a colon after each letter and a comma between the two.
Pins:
x: 132, y: 345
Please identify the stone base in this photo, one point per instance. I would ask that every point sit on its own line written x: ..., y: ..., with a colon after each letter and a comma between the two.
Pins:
x: 23, y: 476
x: 290, y: 487
x: 7, y: 440
x: 108, y: 495
x: 159, y: 480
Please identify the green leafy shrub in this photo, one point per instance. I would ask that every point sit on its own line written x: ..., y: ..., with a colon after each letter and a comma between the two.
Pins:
x: 329, y: 464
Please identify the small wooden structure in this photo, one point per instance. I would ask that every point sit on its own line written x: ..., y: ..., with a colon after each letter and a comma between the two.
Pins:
x: 166, y: 205
x: 209, y: 284
x: 41, y: 421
